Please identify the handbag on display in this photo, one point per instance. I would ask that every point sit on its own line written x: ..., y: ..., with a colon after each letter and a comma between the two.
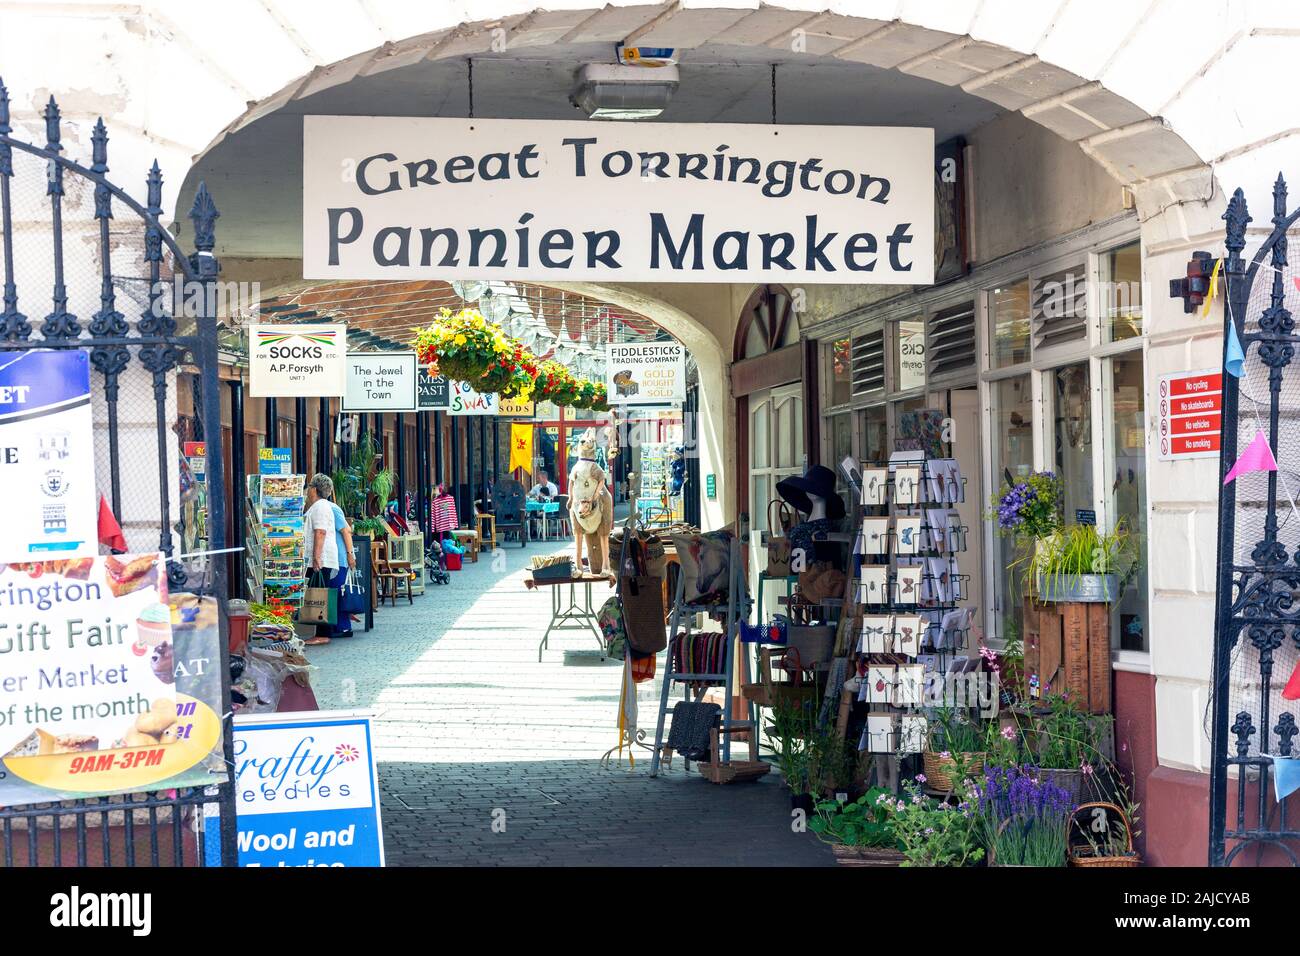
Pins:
x: 642, y: 598
x: 778, y: 545
x: 320, y: 602
x: 352, y: 596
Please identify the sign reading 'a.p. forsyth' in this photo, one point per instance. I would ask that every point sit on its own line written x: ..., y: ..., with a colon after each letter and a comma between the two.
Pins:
x: 645, y: 373
x: 296, y: 361
x: 402, y: 198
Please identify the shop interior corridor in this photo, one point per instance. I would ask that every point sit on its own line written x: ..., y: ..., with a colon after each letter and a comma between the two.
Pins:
x: 471, y: 731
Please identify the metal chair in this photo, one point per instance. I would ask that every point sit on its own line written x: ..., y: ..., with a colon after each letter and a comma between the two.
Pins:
x: 510, y: 515
x: 560, y: 516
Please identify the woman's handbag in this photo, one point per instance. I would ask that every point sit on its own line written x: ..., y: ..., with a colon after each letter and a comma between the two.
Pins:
x: 643, y: 604
x: 320, y: 602
x: 352, y: 596
x: 778, y: 545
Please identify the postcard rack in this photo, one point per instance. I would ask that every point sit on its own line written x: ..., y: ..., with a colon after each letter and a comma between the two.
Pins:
x: 910, y: 592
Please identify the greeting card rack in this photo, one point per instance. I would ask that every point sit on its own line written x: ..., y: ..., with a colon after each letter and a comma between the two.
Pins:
x: 681, y: 628
x: 910, y: 593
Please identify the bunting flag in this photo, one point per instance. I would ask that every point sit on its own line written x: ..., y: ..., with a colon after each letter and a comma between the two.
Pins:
x: 1214, y: 288
x: 521, y: 446
x: 1234, y: 358
x: 1258, y: 456
x: 1292, y: 689
x: 110, y: 532
x: 1286, y: 776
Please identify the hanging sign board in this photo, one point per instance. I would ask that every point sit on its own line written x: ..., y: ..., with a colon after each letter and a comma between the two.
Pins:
x: 1189, y: 416
x: 911, y: 355
x: 466, y: 401
x: 645, y: 373
x: 306, y: 792
x: 103, y: 683
x: 433, y: 391
x: 47, y: 456
x: 296, y: 361
x: 381, y: 382
x: 514, y: 408
x: 449, y: 199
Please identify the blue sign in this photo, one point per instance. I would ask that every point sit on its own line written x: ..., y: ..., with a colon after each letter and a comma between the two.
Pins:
x: 275, y: 461
x: 47, y: 456
x: 306, y: 792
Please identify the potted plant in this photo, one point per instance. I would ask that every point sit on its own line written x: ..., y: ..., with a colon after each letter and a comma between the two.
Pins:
x: 1067, y: 741
x: 1023, y: 818
x: 1104, y: 833
x: 933, y: 832
x: 1080, y: 563
x: 860, y: 831
x: 791, y: 724
x: 954, y: 748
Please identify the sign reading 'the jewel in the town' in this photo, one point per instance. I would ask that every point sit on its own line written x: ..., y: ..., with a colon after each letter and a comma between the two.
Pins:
x: 1189, y: 417
x: 382, y: 382
x: 47, y: 456
x: 406, y: 198
x: 296, y: 361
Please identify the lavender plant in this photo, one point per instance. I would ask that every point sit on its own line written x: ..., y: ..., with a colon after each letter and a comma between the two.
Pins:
x: 1023, y: 821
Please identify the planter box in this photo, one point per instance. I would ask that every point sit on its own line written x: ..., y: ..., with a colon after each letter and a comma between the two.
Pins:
x: 1067, y: 647
x: 866, y: 855
x: 1081, y: 588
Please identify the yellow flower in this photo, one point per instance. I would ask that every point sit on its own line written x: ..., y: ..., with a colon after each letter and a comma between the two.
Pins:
x: 459, y: 339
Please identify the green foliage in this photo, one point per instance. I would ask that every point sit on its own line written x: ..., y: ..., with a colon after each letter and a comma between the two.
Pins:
x: 1068, y: 737
x: 362, y: 489
x: 1078, y: 549
x: 952, y: 731
x: 934, y: 833
x: 860, y: 822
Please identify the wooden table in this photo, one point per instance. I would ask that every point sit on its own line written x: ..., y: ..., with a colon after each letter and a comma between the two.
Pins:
x: 579, y: 614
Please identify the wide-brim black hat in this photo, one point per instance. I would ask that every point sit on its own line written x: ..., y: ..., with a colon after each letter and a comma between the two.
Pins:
x: 817, y: 480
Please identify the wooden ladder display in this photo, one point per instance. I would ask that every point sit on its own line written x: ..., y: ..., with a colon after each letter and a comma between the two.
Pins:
x: 680, y: 626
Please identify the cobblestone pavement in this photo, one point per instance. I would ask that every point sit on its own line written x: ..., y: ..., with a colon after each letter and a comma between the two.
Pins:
x: 470, y: 728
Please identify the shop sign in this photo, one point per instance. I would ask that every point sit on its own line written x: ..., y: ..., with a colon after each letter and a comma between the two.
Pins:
x: 296, y: 361
x: 105, y: 687
x: 196, y: 454
x: 434, y: 391
x: 911, y: 355
x: 275, y: 461
x: 1189, y: 416
x: 466, y: 401
x: 47, y: 456
x: 514, y: 408
x: 423, y: 198
x: 381, y: 382
x: 710, y: 486
x: 306, y: 792
x: 645, y: 373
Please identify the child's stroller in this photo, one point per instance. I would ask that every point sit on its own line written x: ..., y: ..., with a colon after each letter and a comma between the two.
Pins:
x: 434, y: 569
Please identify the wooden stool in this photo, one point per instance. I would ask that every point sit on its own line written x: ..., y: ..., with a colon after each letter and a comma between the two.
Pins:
x: 470, y: 539
x: 487, y: 530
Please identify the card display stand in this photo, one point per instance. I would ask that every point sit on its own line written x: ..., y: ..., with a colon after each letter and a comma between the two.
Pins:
x: 274, y: 562
x: 909, y: 592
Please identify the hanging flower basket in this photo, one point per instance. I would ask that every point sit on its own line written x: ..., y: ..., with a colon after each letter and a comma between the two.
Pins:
x: 466, y: 347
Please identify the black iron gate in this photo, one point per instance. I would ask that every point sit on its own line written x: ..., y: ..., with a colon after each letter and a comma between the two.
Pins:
x: 59, y: 237
x: 1257, y: 617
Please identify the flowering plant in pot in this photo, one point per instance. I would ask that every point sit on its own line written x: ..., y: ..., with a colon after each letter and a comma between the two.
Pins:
x: 954, y: 748
x: 934, y: 832
x: 461, y: 345
x: 1023, y: 819
x: 859, y: 831
x: 1068, y: 740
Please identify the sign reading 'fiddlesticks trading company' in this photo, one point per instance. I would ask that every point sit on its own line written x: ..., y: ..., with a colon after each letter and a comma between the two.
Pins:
x: 403, y: 198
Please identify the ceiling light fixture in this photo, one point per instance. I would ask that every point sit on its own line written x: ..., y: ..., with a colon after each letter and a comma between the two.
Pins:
x: 610, y: 91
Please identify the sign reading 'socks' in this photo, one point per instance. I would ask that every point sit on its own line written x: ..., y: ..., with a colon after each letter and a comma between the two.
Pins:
x: 106, y: 685
x: 47, y: 456
x: 296, y: 361
x: 406, y: 198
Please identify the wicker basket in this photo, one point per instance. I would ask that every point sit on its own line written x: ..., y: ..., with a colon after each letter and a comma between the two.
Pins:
x: 939, y: 770
x: 1081, y: 854
x: 866, y: 855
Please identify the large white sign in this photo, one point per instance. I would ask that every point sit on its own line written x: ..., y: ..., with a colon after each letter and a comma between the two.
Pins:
x: 406, y: 198
x: 645, y: 373
x: 47, y: 456
x: 296, y: 361
x: 382, y: 382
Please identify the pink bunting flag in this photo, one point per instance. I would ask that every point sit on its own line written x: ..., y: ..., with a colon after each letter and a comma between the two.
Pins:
x: 1257, y: 457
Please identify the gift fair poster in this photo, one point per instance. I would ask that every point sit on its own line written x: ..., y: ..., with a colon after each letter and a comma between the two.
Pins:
x: 106, y: 684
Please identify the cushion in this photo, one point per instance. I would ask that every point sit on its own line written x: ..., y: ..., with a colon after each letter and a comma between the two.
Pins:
x: 706, y: 565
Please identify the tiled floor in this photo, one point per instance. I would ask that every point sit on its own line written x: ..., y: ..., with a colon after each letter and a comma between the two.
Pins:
x: 489, y: 758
